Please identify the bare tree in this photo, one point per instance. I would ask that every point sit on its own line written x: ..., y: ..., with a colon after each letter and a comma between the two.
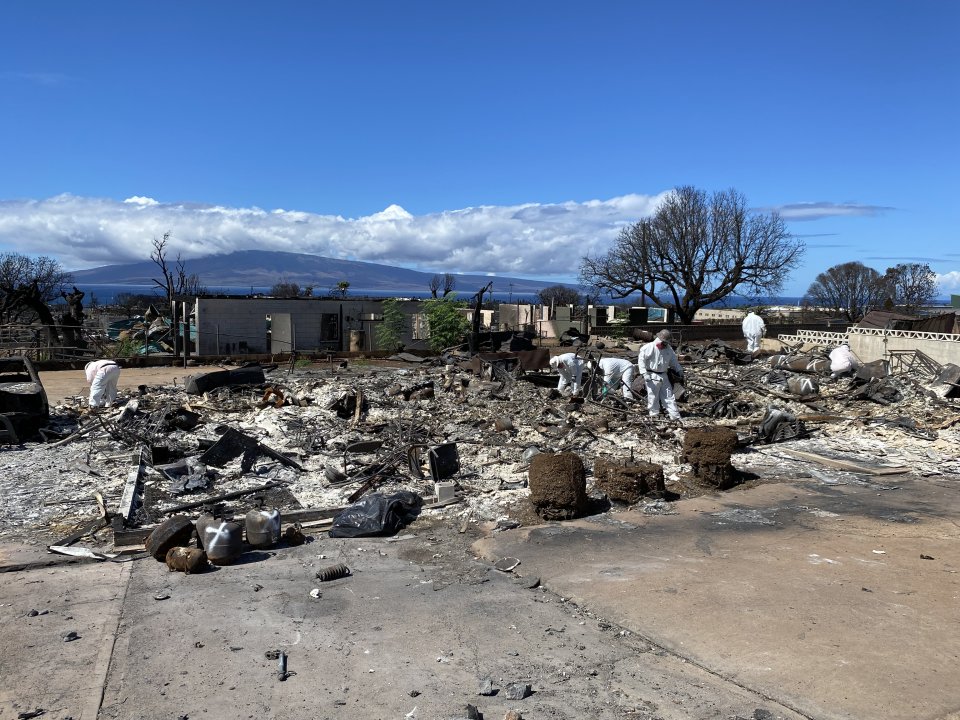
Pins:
x: 132, y: 303
x: 559, y: 295
x: 175, y: 282
x: 20, y: 271
x: 189, y: 284
x: 911, y: 285
x: 27, y: 286
x: 446, y: 282
x: 849, y: 289
x: 175, y: 279
x: 285, y: 289
x: 695, y: 250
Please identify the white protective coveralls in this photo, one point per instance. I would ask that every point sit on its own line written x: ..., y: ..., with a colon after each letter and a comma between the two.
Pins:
x: 843, y: 361
x: 655, y: 359
x: 103, y: 376
x: 618, y: 372
x: 753, y: 330
x: 570, y: 368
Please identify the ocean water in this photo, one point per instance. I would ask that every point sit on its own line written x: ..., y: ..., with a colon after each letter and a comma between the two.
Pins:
x: 107, y: 295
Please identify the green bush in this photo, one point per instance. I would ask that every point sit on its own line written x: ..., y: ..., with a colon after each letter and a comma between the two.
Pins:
x: 390, y: 331
x: 447, y: 324
x: 128, y: 347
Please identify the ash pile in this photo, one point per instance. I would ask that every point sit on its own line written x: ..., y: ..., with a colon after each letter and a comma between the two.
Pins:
x: 476, y: 439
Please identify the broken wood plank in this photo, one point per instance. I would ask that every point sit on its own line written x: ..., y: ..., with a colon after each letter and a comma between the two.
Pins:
x: 846, y: 464
x: 88, y: 529
x: 133, y: 487
x: 220, y: 498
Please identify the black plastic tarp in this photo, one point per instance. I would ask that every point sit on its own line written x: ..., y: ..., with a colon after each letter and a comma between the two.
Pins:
x: 376, y: 514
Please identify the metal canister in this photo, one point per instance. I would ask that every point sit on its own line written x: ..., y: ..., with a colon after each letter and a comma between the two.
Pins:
x: 221, y: 539
x: 263, y: 527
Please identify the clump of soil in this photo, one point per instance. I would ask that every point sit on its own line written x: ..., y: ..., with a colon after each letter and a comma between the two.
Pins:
x: 708, y: 452
x: 558, y: 485
x: 628, y: 483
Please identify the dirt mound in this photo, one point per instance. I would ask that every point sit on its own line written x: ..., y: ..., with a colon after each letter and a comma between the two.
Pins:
x: 628, y: 483
x: 558, y: 485
x: 708, y: 451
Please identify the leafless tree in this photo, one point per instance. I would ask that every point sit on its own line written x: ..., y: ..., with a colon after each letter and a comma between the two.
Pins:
x: 285, y: 289
x: 446, y: 282
x: 849, y: 289
x: 559, y: 295
x: 695, y: 250
x: 133, y: 303
x: 175, y: 280
x: 911, y: 285
x: 27, y: 286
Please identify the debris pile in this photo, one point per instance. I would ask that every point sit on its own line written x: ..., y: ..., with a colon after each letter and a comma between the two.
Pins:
x: 477, y: 439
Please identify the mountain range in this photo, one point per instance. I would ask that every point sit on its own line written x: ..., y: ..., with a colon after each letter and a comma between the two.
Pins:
x: 262, y: 268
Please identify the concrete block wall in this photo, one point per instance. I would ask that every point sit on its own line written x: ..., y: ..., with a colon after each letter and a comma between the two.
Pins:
x: 243, y: 320
x: 870, y: 344
x: 877, y: 345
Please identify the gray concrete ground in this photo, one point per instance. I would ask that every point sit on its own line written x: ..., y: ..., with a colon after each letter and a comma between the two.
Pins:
x: 412, y: 633
x: 834, y: 597
x: 836, y: 600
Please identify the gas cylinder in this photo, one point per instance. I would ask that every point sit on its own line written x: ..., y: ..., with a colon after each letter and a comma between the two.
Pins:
x: 263, y: 527
x: 221, y: 539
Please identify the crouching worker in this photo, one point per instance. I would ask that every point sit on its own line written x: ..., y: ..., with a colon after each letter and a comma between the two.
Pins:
x: 655, y: 359
x: 843, y: 362
x: 103, y: 376
x: 570, y: 368
x: 618, y: 372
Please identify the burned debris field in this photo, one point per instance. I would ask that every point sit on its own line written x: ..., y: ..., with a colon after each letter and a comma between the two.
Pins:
x: 418, y: 536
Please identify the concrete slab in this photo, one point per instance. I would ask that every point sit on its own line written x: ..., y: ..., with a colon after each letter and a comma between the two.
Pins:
x: 401, y: 635
x: 413, y: 632
x: 38, y: 668
x: 814, y: 594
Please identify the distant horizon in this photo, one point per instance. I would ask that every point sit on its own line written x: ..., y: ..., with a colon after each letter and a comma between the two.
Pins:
x: 362, y: 293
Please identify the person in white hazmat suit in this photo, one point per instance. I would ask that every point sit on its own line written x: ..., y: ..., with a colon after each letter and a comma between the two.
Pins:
x: 618, y: 372
x: 103, y: 376
x: 570, y: 368
x: 753, y: 329
x: 656, y: 357
x: 843, y: 361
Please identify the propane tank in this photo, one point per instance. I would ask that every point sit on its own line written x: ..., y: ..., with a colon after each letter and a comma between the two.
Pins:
x: 221, y: 539
x: 263, y: 526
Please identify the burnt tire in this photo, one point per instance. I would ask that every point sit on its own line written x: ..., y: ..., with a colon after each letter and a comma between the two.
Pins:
x: 173, y: 532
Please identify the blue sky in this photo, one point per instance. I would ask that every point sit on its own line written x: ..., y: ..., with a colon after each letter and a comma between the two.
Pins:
x: 510, y: 138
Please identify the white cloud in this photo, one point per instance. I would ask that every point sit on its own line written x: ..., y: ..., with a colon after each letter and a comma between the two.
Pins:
x: 529, y: 239
x: 139, y: 200
x: 949, y: 281
x: 821, y: 210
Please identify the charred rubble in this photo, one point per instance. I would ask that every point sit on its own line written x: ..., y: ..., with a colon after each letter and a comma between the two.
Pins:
x: 477, y: 439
